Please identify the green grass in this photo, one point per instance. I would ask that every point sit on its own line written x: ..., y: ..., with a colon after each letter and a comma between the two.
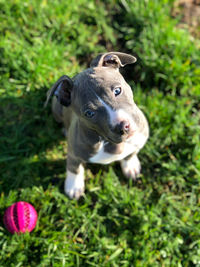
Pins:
x: 153, y: 222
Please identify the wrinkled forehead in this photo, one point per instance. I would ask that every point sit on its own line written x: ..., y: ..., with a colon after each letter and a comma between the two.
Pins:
x: 107, y: 77
x: 98, y: 81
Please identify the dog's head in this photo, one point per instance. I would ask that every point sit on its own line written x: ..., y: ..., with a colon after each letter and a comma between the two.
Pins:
x: 101, y: 97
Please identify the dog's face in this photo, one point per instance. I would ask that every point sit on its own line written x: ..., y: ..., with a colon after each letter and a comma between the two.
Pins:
x: 101, y: 98
x: 104, y: 102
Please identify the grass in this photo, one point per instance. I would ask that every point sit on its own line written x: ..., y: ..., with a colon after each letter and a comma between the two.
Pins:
x: 153, y: 222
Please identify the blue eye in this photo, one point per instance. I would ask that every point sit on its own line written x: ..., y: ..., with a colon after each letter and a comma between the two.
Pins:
x: 89, y: 113
x: 117, y: 91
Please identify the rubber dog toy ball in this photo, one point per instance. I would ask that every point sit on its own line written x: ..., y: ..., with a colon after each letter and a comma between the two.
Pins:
x: 20, y: 217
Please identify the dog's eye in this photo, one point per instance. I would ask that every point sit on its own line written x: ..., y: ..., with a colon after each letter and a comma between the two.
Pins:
x: 117, y: 91
x: 89, y: 113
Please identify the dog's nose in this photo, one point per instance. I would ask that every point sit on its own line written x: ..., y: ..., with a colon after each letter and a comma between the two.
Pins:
x: 122, y: 127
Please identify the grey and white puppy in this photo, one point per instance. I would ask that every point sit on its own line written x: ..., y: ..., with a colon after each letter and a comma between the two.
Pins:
x: 102, y: 121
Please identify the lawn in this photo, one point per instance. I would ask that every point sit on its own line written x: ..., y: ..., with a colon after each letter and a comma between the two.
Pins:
x: 154, y: 221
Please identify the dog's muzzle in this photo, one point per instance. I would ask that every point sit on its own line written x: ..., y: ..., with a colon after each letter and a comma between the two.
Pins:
x: 122, y: 128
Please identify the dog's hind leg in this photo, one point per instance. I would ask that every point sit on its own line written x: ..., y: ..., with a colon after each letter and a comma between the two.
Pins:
x: 57, y: 110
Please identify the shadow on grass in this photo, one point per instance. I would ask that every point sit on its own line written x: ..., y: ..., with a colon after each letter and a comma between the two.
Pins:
x: 27, y: 133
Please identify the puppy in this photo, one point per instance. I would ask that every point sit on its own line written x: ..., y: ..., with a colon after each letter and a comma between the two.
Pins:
x: 102, y: 121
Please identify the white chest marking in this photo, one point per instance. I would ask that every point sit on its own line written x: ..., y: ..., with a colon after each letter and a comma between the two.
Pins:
x: 133, y: 145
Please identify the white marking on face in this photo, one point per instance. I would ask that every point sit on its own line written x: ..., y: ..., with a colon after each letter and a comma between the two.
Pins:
x: 74, y: 183
x: 121, y: 115
x: 117, y: 116
x: 110, y: 111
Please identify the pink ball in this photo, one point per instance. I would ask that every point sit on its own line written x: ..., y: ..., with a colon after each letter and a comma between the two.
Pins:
x: 20, y: 217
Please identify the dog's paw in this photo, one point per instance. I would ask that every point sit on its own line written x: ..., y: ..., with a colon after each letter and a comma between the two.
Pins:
x: 74, y: 185
x: 131, y: 167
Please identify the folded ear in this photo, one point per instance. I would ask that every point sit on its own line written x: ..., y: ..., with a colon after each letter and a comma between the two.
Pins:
x: 62, y: 90
x: 113, y: 59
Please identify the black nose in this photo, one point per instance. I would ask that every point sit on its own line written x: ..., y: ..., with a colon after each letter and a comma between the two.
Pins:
x: 122, y: 128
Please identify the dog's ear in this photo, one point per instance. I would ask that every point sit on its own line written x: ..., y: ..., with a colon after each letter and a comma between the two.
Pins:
x: 62, y: 90
x: 113, y: 59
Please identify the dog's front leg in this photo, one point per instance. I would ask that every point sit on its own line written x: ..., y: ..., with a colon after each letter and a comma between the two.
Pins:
x: 131, y: 166
x: 74, y: 183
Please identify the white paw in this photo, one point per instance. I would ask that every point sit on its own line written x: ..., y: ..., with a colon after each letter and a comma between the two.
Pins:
x: 74, y: 184
x: 131, y: 168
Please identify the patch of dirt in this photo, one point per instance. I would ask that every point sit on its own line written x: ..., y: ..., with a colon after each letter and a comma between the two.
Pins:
x: 189, y: 13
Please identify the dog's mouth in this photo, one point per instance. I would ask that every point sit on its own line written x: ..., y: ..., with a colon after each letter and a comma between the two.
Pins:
x: 114, y: 141
x: 117, y: 139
